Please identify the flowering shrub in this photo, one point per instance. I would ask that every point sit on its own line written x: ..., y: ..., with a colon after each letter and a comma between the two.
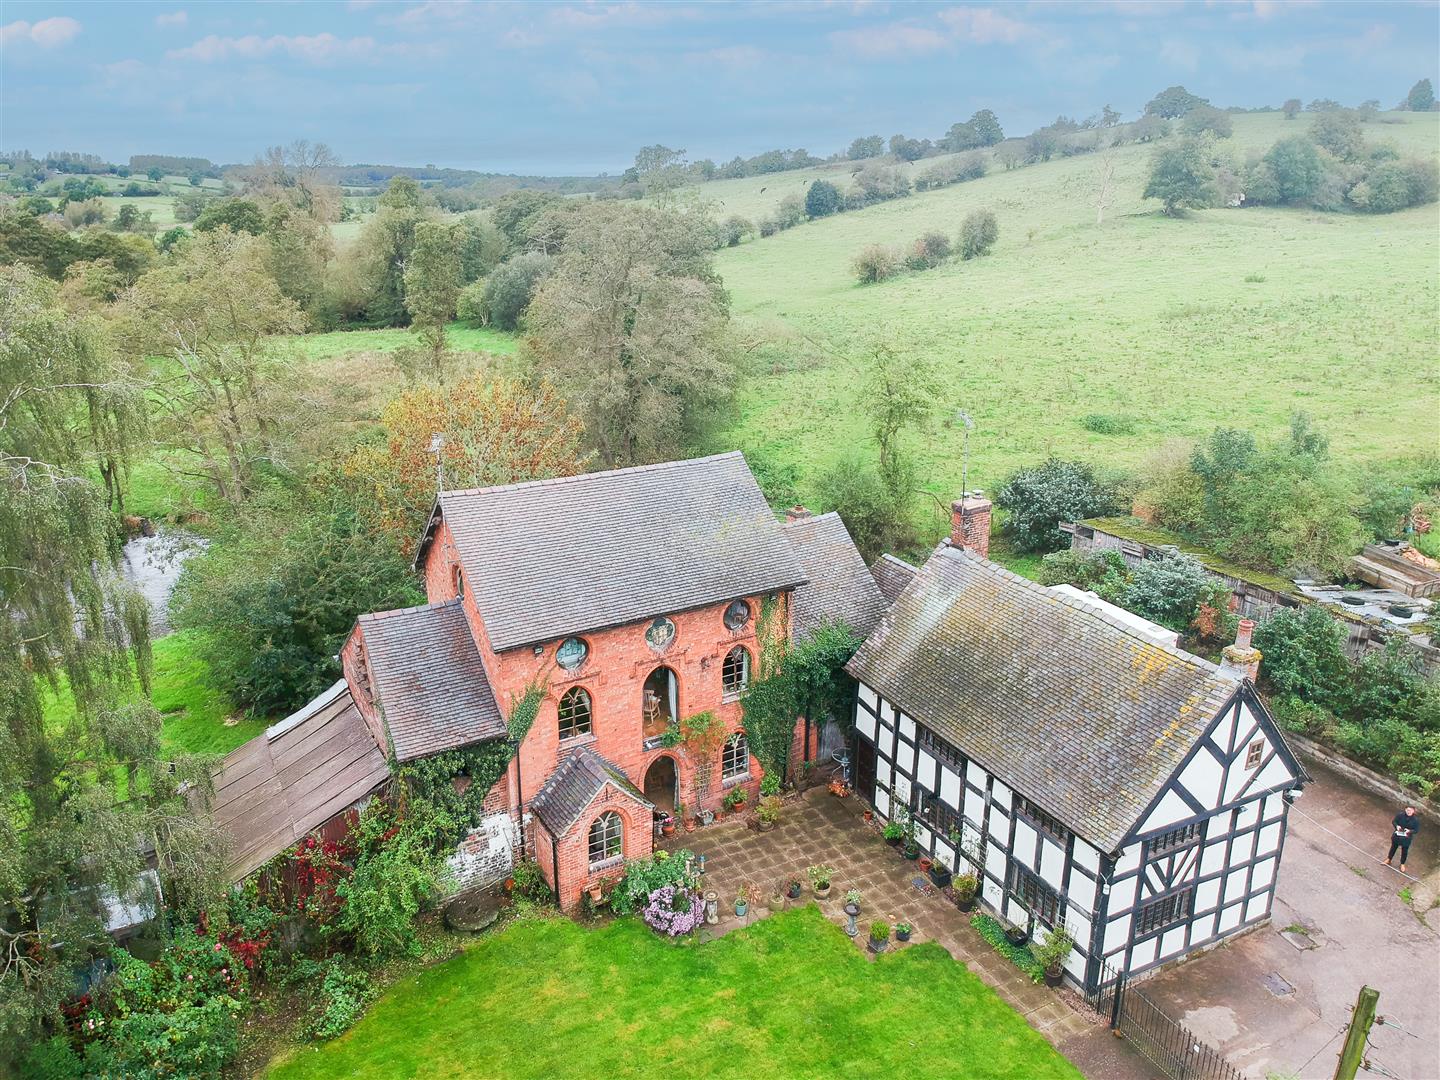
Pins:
x: 674, y: 910
x: 644, y: 876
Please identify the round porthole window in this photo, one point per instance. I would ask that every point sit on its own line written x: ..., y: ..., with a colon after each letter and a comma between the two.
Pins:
x: 660, y: 633
x: 737, y: 615
x: 572, y: 653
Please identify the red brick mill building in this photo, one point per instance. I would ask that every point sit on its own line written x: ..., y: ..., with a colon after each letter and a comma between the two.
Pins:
x: 634, y: 597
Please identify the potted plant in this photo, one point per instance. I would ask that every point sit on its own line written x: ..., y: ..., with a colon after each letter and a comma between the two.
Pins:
x: 965, y: 886
x: 940, y: 874
x: 768, y: 812
x: 868, y: 816
x: 706, y: 817
x: 743, y: 898
x: 926, y: 862
x: 792, y: 890
x: 735, y: 799
x: 879, y: 936
x: 1052, y: 955
x: 777, y: 895
x: 685, y: 818
x: 912, y: 849
x: 820, y: 876
x: 667, y: 825
x: 852, y: 902
x: 902, y: 931
x: 838, y: 788
x: 1016, y: 934
x: 893, y: 832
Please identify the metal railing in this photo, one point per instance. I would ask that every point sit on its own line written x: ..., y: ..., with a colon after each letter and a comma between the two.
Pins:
x: 1169, y: 1046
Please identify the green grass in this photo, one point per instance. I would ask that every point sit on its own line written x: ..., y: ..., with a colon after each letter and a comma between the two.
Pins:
x: 195, y: 712
x: 1144, y: 317
x: 788, y: 997
x: 462, y: 338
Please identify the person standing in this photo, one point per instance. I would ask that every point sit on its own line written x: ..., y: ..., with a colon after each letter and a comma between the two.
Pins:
x: 1404, y: 827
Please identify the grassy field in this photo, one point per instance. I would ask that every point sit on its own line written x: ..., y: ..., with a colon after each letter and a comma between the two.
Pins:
x: 787, y: 997
x: 1235, y: 317
x: 462, y: 338
x: 198, y: 718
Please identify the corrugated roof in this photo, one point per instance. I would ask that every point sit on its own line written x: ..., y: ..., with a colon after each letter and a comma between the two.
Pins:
x: 891, y: 575
x: 840, y: 587
x: 555, y: 557
x: 276, y: 788
x: 1072, y: 709
x: 579, y: 777
x: 429, y: 682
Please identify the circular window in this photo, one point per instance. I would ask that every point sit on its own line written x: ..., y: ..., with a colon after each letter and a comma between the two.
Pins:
x: 737, y: 614
x: 660, y: 633
x: 572, y: 653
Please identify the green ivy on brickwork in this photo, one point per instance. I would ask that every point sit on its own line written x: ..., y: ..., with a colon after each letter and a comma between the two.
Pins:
x: 794, y: 680
x: 427, y: 787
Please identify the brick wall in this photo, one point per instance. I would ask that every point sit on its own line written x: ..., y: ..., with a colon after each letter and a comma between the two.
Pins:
x: 573, y: 849
x: 614, y: 675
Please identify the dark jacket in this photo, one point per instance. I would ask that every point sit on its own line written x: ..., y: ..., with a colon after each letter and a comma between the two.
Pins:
x: 1406, y: 826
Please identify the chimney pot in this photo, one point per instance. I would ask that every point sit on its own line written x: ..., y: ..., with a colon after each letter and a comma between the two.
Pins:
x: 796, y: 513
x: 970, y: 524
x: 1243, y: 632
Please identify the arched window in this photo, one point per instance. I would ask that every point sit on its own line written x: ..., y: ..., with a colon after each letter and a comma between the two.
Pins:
x: 574, y: 713
x: 606, y: 834
x: 735, y: 672
x: 659, y: 702
x: 735, y: 758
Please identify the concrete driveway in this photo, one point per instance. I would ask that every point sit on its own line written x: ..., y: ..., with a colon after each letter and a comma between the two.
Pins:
x: 1360, y: 931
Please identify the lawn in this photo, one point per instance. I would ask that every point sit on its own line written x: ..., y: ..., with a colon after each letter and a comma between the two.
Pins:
x: 198, y: 718
x: 788, y: 997
x: 1172, y: 327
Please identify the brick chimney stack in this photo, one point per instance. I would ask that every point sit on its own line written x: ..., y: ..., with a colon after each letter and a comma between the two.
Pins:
x: 1241, y: 659
x: 796, y: 513
x: 970, y: 524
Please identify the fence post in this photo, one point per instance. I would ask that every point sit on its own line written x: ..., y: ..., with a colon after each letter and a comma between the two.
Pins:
x: 1115, y: 1003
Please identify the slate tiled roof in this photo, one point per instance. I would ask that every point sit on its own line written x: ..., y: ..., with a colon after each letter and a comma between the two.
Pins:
x: 579, y: 777
x: 276, y: 788
x: 429, y: 682
x: 840, y: 587
x: 556, y: 557
x: 1070, y: 708
x: 892, y: 575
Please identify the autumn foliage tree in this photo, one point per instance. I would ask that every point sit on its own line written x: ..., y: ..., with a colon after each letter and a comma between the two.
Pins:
x: 494, y: 430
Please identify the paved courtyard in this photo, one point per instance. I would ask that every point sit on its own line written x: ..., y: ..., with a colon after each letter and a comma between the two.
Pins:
x: 818, y: 828
x: 1358, y: 930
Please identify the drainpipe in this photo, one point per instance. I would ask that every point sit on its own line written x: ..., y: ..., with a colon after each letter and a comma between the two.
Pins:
x: 554, y: 865
x: 520, y: 795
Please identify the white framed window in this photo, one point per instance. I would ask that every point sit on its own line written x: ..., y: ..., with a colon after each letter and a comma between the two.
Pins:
x: 575, y: 713
x: 735, y: 758
x: 735, y: 672
x: 607, y: 834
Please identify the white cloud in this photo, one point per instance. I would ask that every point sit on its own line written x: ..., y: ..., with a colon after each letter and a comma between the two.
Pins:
x: 173, y: 18
x: 47, y: 33
x: 591, y: 15
x: 896, y: 39
x: 984, y: 26
x: 733, y: 57
x: 313, y: 48
x: 1181, y: 54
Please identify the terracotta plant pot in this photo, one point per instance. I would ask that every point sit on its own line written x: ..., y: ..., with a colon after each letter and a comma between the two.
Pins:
x: 668, y: 829
x: 926, y: 862
x: 689, y: 824
x: 869, y: 815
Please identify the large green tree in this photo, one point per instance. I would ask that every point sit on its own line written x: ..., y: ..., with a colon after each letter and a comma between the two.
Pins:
x: 432, y: 287
x: 1182, y: 178
x: 205, y: 325
x: 632, y: 328
x: 87, y: 787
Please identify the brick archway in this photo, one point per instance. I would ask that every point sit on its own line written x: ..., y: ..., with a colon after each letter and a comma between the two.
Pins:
x: 662, y: 782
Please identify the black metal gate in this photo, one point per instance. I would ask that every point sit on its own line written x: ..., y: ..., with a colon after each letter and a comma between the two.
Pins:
x: 1170, y: 1047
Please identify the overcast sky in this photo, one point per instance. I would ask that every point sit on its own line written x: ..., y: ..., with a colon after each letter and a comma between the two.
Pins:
x: 576, y: 87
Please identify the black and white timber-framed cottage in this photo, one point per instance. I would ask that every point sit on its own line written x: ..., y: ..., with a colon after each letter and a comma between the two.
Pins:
x: 1090, y: 773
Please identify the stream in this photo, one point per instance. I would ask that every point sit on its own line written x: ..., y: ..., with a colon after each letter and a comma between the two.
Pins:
x: 152, y: 564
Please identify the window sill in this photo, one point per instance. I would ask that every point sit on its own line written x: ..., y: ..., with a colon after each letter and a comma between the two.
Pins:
x: 734, y: 781
x: 606, y: 864
x: 577, y: 740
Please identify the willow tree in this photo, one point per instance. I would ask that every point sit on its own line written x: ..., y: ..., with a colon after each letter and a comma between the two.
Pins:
x: 87, y: 791
x: 206, y: 323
